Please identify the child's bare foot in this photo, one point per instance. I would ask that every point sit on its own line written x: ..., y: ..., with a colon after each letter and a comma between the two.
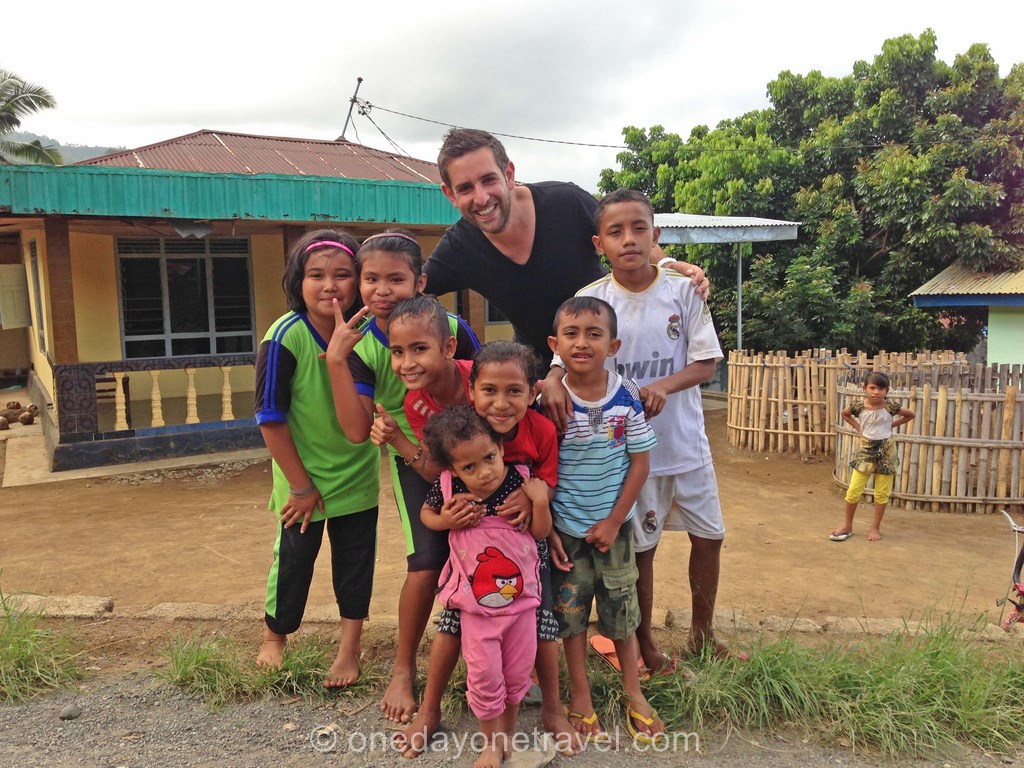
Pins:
x: 568, y: 741
x: 343, y: 672
x: 491, y: 757
x: 656, y: 661
x: 712, y: 646
x: 413, y: 741
x: 271, y: 653
x: 874, y: 535
x: 398, y: 702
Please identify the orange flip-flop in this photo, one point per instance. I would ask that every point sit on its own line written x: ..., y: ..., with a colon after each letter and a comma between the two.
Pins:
x: 605, y: 648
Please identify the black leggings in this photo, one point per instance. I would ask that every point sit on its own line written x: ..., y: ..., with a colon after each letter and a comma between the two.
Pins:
x: 353, y: 553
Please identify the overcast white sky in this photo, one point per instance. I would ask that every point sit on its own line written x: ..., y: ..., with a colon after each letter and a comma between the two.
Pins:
x: 135, y: 74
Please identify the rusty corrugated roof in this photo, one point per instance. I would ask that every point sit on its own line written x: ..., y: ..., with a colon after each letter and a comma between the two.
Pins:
x: 221, y: 152
x: 957, y: 280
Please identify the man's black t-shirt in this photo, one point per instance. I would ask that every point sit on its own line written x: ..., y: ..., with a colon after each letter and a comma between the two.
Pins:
x: 562, y: 261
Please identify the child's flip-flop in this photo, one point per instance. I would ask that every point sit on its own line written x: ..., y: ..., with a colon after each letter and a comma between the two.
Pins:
x: 639, y: 737
x: 600, y: 737
x: 840, y: 535
x: 605, y: 648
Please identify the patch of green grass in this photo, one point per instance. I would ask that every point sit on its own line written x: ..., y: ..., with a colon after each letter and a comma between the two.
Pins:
x: 453, y: 703
x: 221, y: 670
x: 906, y: 695
x: 33, y: 659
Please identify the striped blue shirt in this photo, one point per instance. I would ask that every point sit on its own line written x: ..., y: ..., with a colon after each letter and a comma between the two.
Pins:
x: 593, y: 457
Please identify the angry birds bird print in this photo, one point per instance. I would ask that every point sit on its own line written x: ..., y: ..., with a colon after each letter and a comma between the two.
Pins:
x: 497, y: 580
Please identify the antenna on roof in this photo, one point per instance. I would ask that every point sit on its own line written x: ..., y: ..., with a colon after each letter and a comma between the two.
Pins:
x: 351, y: 103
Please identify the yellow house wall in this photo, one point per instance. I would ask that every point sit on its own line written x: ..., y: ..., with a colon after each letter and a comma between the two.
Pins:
x: 498, y: 332
x: 267, y: 270
x: 97, y: 315
x: 40, y: 364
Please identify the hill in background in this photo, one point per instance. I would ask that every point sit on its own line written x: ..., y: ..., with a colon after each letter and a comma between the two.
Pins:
x: 72, y: 153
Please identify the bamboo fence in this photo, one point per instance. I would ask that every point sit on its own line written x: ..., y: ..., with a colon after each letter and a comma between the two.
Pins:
x: 964, y: 451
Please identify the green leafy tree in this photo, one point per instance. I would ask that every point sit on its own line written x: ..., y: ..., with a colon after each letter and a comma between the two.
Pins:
x: 894, y: 171
x: 18, y: 99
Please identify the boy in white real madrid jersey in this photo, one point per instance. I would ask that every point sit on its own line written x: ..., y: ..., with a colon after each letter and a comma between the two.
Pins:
x: 669, y: 347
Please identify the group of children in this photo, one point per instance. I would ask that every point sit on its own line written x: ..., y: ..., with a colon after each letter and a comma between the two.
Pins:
x: 515, y: 529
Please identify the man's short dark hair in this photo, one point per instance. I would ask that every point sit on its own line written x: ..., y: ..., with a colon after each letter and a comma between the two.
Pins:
x: 461, y: 141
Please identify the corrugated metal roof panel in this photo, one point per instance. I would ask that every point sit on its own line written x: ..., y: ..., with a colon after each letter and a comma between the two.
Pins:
x: 222, y: 152
x: 689, y: 220
x: 692, y: 228
x: 956, y: 280
x: 134, y: 192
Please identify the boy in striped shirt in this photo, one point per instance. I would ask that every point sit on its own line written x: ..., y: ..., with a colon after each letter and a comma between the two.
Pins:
x: 603, y: 462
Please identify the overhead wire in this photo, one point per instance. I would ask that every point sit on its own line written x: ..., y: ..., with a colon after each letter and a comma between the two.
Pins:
x: 495, y: 133
x: 366, y: 106
x: 364, y: 110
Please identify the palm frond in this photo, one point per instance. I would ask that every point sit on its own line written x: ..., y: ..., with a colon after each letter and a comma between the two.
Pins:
x: 19, y: 98
x: 29, y: 152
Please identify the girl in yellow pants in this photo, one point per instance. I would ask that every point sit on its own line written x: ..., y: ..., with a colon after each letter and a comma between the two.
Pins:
x: 874, y: 417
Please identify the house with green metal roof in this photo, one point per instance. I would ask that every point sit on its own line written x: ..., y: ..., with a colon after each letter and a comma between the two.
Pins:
x: 1001, y: 292
x: 136, y: 287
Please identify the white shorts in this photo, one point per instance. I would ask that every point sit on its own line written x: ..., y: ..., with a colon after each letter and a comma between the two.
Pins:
x: 683, y: 502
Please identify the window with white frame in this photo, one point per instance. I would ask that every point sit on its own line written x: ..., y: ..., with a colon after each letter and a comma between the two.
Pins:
x: 185, y: 297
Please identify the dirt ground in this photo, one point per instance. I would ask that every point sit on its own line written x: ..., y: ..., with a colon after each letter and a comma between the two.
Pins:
x: 205, y: 535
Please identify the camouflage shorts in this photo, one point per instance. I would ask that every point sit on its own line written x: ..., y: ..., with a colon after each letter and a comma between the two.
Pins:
x: 607, y: 577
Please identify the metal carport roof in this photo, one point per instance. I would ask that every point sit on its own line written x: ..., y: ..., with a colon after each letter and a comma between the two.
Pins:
x: 688, y: 228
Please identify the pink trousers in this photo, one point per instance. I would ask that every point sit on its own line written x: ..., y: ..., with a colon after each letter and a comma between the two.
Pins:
x: 499, y: 653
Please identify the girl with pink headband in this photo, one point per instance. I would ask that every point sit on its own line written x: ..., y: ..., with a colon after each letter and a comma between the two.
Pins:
x: 321, y: 478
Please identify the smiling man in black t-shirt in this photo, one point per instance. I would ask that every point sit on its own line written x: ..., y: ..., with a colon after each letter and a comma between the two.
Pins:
x: 526, y: 248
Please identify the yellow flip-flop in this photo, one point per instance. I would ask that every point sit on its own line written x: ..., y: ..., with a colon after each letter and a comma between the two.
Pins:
x: 600, y: 737
x: 639, y: 737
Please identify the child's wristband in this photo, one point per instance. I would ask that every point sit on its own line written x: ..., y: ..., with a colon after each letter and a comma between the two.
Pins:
x: 302, y: 492
x: 411, y: 463
x: 666, y: 260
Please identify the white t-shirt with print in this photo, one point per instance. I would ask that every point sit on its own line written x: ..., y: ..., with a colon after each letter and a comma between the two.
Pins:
x: 663, y: 329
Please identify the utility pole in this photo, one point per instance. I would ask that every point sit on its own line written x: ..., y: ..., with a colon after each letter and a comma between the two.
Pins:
x: 352, y: 103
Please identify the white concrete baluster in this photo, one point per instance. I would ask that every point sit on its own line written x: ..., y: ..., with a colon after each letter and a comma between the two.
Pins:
x: 156, y: 400
x: 120, y: 411
x: 226, y: 414
x: 191, y: 414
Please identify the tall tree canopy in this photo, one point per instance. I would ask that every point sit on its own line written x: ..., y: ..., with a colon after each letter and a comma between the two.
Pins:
x: 895, y: 171
x: 18, y: 99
